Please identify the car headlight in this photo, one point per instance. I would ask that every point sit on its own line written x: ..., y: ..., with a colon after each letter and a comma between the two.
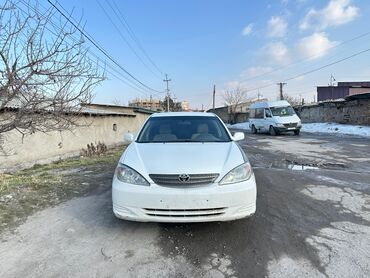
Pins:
x: 129, y: 175
x: 280, y: 125
x: 238, y: 174
x: 299, y: 123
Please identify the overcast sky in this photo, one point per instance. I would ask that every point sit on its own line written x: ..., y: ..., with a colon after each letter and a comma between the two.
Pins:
x: 254, y: 44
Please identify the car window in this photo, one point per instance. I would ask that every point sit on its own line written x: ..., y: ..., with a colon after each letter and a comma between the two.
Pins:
x: 267, y: 113
x: 259, y: 113
x: 282, y: 111
x: 183, y: 129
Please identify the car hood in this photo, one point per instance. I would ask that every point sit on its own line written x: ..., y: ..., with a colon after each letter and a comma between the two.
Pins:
x: 287, y: 119
x: 182, y: 158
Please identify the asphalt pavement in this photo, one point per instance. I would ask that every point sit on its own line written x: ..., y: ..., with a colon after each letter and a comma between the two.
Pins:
x: 312, y: 220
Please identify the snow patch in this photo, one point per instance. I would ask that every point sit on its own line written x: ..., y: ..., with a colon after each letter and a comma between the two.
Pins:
x: 244, y: 125
x: 328, y: 128
x: 333, y: 128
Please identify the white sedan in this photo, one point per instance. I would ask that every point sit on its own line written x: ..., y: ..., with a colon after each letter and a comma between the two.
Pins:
x: 183, y: 167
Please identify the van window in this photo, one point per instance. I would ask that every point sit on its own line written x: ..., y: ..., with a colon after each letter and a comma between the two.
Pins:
x: 282, y: 111
x: 252, y: 113
x: 259, y: 113
x: 268, y: 113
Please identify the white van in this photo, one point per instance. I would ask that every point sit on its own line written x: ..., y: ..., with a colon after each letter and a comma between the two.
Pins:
x: 274, y: 117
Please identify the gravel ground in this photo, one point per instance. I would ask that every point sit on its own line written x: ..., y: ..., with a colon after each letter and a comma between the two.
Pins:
x: 309, y: 223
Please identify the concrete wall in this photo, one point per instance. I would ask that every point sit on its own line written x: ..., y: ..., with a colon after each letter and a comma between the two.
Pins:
x: 351, y: 112
x: 43, y: 148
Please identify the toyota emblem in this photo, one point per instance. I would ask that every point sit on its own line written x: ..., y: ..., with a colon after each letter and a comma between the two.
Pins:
x: 184, y: 177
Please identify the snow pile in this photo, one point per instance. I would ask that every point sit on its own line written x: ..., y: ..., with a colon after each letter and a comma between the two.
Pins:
x: 333, y: 128
x: 244, y: 125
x: 330, y: 128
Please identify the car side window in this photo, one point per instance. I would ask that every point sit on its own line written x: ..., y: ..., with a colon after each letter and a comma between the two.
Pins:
x: 259, y: 113
x: 267, y: 113
x: 252, y: 113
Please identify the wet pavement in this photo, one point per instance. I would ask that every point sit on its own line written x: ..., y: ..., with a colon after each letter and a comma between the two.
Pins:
x: 312, y: 220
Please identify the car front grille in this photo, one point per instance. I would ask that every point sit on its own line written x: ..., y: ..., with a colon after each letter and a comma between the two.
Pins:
x: 184, y: 213
x: 174, y: 180
x: 290, y: 125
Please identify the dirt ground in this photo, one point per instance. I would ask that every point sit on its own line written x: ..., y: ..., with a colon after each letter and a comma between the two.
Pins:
x: 312, y: 220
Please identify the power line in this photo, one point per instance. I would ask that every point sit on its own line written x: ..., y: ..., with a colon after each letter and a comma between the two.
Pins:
x: 99, y: 47
x: 308, y: 58
x: 124, y: 39
x: 314, y: 70
x: 308, y: 72
x: 132, y: 34
x: 133, y: 85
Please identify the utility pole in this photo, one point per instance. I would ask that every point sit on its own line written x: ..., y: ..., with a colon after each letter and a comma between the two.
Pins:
x: 281, y: 84
x: 332, y: 79
x: 259, y: 95
x: 214, y: 98
x: 167, y: 93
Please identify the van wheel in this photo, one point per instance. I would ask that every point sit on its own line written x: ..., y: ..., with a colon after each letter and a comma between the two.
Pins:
x: 272, y: 131
x: 296, y: 132
x: 254, y: 130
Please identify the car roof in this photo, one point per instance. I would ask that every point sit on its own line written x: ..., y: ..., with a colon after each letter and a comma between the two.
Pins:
x: 181, y: 114
x: 267, y: 104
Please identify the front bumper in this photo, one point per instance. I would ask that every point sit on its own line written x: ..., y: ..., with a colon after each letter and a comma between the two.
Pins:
x: 179, y: 204
x: 287, y: 129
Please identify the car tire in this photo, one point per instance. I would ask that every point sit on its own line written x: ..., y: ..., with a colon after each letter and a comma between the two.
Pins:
x: 272, y: 131
x: 254, y: 129
x: 296, y: 132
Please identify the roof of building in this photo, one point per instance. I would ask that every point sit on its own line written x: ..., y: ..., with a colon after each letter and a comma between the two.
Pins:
x: 359, y: 96
x: 102, y: 112
x: 83, y: 110
x: 134, y: 108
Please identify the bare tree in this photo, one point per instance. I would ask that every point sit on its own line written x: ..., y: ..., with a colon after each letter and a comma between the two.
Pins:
x: 117, y: 101
x: 45, y: 70
x: 292, y: 100
x: 233, y: 98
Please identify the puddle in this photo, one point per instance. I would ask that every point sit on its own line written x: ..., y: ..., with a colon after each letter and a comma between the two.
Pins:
x: 296, y: 166
x: 302, y: 167
x: 293, y: 166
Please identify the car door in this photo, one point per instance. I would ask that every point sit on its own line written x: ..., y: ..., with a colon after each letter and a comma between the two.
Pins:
x: 268, y: 120
x: 259, y: 119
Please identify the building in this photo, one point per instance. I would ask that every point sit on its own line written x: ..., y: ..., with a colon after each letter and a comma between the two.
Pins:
x: 342, y: 90
x: 153, y: 104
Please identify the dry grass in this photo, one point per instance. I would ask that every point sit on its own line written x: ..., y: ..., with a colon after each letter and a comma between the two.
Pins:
x: 29, y: 190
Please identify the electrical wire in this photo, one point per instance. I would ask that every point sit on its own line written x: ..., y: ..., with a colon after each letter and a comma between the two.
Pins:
x: 101, y: 49
x: 306, y: 59
x: 127, y: 81
x: 132, y: 34
x: 125, y: 40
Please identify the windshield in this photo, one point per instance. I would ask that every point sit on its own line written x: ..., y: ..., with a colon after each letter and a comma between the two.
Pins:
x: 183, y: 129
x: 282, y: 111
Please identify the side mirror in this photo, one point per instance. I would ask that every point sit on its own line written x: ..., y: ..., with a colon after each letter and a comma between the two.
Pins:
x: 238, y: 136
x: 128, y: 137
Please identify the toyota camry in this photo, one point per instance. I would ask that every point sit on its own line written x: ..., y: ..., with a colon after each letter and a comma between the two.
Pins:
x: 183, y: 167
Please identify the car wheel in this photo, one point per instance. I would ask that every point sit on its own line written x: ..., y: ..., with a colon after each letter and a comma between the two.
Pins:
x: 254, y: 130
x: 272, y: 130
x: 296, y: 132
